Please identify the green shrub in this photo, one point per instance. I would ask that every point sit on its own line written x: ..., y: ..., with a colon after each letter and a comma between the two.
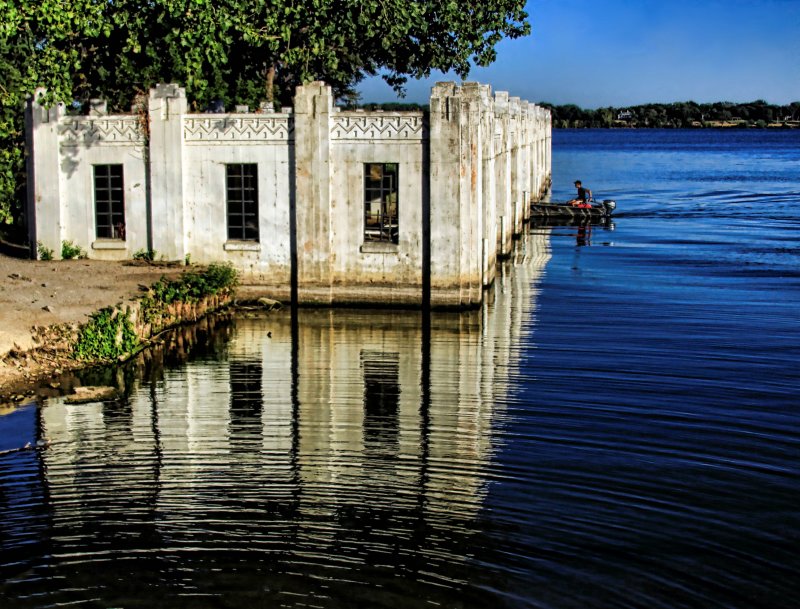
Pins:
x: 69, y: 251
x: 45, y: 253
x: 110, y: 332
x: 143, y: 254
x: 188, y: 287
x: 220, y: 276
x: 195, y: 285
x: 107, y: 335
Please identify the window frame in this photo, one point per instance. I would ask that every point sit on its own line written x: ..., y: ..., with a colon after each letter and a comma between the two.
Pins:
x: 381, y: 187
x: 105, y: 226
x: 241, y: 193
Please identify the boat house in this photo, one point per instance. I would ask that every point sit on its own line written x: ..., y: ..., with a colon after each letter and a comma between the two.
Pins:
x: 323, y: 205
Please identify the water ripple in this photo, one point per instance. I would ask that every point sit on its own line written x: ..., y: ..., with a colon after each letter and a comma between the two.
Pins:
x: 617, y: 427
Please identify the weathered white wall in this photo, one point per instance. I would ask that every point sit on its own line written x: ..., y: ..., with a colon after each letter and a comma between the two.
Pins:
x: 211, y: 142
x: 102, y: 140
x: 44, y: 206
x: 64, y: 151
x: 503, y: 198
x: 467, y: 174
x: 335, y: 264
x: 456, y: 213
x: 167, y: 105
x: 370, y: 269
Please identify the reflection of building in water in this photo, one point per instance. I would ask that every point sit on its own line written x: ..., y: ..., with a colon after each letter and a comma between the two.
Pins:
x: 361, y: 402
x: 361, y: 437
x: 381, y: 401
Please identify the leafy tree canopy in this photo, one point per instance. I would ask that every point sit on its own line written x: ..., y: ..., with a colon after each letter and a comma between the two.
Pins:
x: 232, y: 50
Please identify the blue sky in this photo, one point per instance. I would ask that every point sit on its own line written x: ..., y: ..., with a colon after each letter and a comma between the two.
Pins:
x: 615, y: 53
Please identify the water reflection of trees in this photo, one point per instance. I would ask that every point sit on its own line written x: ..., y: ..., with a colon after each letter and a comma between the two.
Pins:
x: 343, y: 454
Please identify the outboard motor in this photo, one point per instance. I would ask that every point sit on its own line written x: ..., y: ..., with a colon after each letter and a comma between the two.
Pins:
x: 609, y: 205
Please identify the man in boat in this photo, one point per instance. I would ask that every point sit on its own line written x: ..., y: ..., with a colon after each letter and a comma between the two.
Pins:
x: 584, y: 197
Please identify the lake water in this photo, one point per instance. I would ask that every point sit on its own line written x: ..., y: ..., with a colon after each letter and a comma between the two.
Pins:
x: 618, y: 427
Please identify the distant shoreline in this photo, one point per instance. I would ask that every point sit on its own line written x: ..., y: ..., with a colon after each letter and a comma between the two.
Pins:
x: 729, y: 127
x: 679, y: 115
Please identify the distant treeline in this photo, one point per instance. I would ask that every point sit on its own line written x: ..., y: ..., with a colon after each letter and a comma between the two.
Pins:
x: 679, y: 115
x: 388, y: 107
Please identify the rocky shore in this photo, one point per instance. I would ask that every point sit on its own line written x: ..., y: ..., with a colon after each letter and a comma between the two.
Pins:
x: 42, y: 304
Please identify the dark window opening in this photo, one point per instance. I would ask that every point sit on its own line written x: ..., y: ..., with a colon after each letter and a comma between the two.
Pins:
x: 381, y: 399
x: 242, y: 189
x: 380, y: 202
x: 247, y: 401
x: 109, y: 202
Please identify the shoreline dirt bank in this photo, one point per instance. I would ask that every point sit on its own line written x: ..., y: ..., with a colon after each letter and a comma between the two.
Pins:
x: 39, y: 299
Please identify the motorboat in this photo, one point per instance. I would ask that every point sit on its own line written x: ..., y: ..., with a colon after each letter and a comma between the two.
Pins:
x: 591, y: 211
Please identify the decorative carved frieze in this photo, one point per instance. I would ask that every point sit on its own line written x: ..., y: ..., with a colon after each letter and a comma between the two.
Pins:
x: 362, y: 126
x: 76, y: 131
x: 220, y: 128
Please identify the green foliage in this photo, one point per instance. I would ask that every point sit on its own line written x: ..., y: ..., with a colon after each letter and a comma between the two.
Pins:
x: 143, y: 254
x: 43, y: 43
x: 69, y: 251
x: 45, y: 253
x: 232, y: 50
x: 395, y: 107
x: 221, y: 276
x: 108, y: 335
x: 192, y: 286
x: 188, y: 287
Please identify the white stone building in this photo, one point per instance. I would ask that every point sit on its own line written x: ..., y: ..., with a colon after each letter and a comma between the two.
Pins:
x: 316, y: 203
